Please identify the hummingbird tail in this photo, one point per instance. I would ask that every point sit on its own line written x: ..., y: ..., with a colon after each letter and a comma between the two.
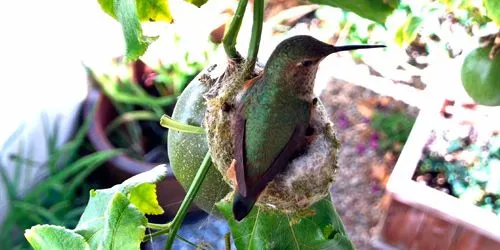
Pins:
x: 242, y: 206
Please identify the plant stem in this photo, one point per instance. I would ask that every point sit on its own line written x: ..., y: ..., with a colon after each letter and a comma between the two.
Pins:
x: 159, y: 226
x: 191, y: 193
x: 253, y: 48
x: 227, y: 241
x: 229, y: 40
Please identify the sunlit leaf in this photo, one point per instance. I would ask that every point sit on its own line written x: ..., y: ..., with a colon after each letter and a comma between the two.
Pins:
x: 130, y: 14
x: 493, y: 10
x: 125, y: 225
x: 198, y: 3
x: 136, y: 43
x: 93, y: 220
x: 144, y: 198
x: 54, y: 237
x: 154, y: 10
x: 408, y: 31
x: 153, y: 176
x: 91, y: 224
x: 269, y: 229
x: 375, y: 10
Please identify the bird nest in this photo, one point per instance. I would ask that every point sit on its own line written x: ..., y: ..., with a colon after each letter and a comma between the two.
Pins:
x: 307, y: 178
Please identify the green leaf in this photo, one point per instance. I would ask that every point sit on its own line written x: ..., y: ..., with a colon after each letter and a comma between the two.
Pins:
x: 493, y: 10
x: 154, y: 10
x: 92, y: 222
x: 144, y: 198
x: 152, y: 176
x: 125, y: 225
x: 167, y: 122
x: 136, y: 115
x: 408, y: 31
x: 130, y: 14
x: 269, y: 229
x: 136, y: 43
x: 54, y: 237
x: 375, y: 10
x: 198, y: 3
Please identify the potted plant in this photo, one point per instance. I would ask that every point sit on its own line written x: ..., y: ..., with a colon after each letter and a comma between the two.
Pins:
x: 444, y: 184
x: 130, y: 98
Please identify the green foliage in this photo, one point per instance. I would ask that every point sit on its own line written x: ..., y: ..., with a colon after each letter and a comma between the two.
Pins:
x: 475, y: 181
x: 140, y: 93
x: 408, y: 31
x: 55, y: 237
x: 376, y: 10
x: 111, y: 220
x: 493, y: 10
x: 394, y: 127
x: 125, y: 224
x: 144, y: 198
x: 198, y: 3
x: 57, y: 199
x: 319, y: 228
x: 130, y: 13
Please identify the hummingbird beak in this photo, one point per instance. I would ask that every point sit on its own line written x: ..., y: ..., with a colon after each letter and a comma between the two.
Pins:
x: 336, y: 49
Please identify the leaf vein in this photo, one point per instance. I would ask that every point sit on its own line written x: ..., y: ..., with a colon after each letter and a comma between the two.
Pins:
x: 253, y: 229
x: 293, y: 233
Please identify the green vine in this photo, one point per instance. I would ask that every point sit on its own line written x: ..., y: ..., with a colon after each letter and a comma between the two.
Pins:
x: 188, y: 200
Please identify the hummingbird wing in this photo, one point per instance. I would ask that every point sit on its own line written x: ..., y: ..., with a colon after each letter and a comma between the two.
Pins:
x: 253, y: 176
x: 238, y: 130
x: 256, y: 184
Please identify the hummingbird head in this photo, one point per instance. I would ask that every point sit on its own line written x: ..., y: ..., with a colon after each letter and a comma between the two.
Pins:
x: 295, y: 60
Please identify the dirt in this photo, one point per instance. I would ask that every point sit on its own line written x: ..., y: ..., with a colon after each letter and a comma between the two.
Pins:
x: 358, y: 193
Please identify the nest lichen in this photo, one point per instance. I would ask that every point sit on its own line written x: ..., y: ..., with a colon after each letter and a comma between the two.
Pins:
x: 308, y: 176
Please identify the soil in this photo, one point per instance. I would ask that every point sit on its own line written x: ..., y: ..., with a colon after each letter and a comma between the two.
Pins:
x: 358, y: 193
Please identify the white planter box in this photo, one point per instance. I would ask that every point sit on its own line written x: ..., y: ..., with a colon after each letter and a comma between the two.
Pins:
x: 431, y: 202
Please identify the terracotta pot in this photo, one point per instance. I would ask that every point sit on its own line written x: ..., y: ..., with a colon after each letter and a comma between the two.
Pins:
x: 170, y: 192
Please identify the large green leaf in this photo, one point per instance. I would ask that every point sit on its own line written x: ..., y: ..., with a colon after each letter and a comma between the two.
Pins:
x: 319, y: 228
x: 91, y: 224
x: 54, y: 237
x: 125, y: 225
x: 375, y: 10
x: 147, y: 10
x: 136, y: 43
x: 93, y: 220
x: 493, y: 10
x: 152, y: 176
x: 130, y: 14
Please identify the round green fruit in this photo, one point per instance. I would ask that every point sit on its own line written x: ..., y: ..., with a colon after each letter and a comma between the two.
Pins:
x: 186, y: 151
x: 481, y: 77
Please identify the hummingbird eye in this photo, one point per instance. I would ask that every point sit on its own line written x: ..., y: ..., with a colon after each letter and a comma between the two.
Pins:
x: 307, y: 63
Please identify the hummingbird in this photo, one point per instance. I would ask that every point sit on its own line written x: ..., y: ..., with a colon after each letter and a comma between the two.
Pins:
x: 272, y: 115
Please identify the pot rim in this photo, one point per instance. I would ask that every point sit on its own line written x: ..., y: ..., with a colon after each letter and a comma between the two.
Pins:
x: 101, y: 142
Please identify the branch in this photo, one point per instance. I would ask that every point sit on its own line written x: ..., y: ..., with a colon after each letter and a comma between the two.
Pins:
x: 229, y: 40
x: 253, y: 48
x: 191, y: 193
